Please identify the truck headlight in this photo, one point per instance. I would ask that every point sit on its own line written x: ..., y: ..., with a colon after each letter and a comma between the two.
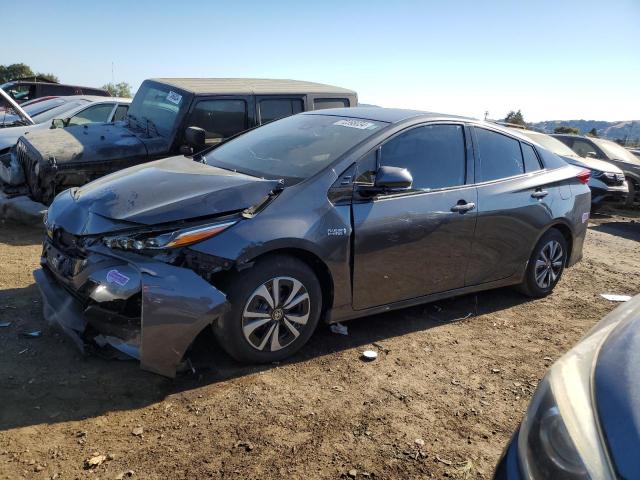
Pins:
x: 559, y: 436
x: 177, y: 238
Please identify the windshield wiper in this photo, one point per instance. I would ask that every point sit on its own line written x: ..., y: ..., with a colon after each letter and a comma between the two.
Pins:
x: 151, y: 124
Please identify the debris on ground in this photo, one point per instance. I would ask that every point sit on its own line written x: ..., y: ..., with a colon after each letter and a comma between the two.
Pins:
x: 127, y: 474
x: 339, y: 328
x: 5, y: 324
x: 138, y: 431
x: 614, y: 297
x: 95, y: 461
x: 369, y: 355
x: 248, y: 446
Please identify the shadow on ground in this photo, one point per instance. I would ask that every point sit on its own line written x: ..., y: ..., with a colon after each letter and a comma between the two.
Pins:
x: 628, y: 230
x: 45, y: 380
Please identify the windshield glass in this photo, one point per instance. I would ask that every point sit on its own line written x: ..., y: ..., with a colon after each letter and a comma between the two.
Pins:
x: 155, y: 109
x: 615, y: 151
x: 39, y: 107
x: 552, y: 144
x: 293, y: 148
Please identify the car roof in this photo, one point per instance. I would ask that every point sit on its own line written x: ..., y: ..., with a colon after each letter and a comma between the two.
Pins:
x: 250, y: 86
x: 380, y: 114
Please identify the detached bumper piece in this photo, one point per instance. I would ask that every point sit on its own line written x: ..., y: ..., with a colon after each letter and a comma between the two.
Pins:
x: 146, y: 309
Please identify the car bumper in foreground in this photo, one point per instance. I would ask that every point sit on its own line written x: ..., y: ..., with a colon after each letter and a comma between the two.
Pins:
x: 147, y: 309
x: 509, y: 466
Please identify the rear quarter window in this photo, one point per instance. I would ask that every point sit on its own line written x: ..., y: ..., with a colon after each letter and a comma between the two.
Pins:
x: 322, y: 103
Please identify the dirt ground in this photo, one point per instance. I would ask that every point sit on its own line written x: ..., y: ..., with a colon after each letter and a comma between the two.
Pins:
x: 450, y: 385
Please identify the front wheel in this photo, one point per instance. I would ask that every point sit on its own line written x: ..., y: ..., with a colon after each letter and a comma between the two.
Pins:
x: 275, y: 307
x: 546, y: 265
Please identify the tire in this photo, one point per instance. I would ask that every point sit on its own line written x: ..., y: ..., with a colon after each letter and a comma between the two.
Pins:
x: 247, y: 331
x: 535, y: 284
x: 633, y: 192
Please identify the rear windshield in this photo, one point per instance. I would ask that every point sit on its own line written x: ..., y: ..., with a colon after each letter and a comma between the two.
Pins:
x: 550, y: 143
x: 615, y: 151
x: 293, y: 148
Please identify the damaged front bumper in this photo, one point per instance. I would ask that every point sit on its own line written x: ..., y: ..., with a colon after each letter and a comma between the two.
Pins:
x: 147, y: 309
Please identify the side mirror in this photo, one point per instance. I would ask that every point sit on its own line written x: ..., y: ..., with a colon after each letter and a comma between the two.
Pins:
x: 59, y: 122
x: 195, y: 138
x: 390, y: 180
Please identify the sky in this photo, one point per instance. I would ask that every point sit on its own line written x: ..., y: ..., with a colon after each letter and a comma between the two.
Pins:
x: 554, y: 60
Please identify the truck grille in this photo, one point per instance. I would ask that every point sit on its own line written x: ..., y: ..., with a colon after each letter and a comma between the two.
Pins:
x: 28, y: 158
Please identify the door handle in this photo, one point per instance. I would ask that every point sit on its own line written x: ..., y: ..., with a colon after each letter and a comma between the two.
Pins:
x: 539, y: 194
x: 462, y: 207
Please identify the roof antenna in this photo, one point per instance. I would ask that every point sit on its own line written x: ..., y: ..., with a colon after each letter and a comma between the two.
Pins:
x: 486, y: 114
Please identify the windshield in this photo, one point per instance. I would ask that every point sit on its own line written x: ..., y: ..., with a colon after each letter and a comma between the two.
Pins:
x: 59, y: 111
x: 615, y: 151
x: 155, y: 109
x: 552, y: 144
x: 293, y: 148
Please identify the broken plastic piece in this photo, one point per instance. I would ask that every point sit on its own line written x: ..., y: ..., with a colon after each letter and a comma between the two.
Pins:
x: 615, y: 297
x: 369, y: 355
x: 339, y: 329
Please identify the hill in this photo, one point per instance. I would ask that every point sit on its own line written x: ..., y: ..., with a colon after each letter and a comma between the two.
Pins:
x: 625, y: 130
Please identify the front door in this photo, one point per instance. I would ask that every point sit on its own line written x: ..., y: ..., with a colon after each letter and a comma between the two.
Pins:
x: 416, y: 243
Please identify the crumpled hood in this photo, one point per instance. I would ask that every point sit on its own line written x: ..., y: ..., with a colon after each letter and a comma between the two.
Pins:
x: 617, y: 390
x: 91, y: 143
x: 592, y: 163
x: 175, y: 188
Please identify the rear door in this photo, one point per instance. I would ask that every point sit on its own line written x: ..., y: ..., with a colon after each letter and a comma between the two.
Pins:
x: 416, y: 243
x: 513, y: 202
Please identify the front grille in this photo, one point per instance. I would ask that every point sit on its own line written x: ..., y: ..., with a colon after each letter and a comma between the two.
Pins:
x: 28, y: 159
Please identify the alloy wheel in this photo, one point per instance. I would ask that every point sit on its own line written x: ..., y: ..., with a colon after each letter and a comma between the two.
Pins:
x: 549, y: 264
x: 275, y: 314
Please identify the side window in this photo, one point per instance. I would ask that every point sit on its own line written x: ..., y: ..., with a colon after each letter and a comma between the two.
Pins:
x: 94, y: 114
x: 220, y: 118
x: 433, y: 154
x: 274, y: 108
x: 583, y: 148
x: 531, y: 162
x: 500, y: 156
x: 322, y: 103
x: 121, y: 111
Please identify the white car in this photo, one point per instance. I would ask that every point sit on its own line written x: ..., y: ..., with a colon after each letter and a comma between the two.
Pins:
x: 57, y: 112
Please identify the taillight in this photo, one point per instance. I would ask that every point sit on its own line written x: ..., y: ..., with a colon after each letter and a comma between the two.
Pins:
x: 583, y: 176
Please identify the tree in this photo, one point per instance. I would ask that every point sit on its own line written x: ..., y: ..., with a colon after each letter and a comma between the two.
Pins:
x: 122, y: 89
x: 593, y: 133
x: 567, y: 129
x: 21, y: 70
x: 515, y: 118
x: 16, y: 70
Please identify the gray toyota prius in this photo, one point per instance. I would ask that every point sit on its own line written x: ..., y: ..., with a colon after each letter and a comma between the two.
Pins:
x: 331, y: 215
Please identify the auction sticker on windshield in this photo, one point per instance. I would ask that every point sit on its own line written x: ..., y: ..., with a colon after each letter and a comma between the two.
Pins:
x: 359, y: 124
x: 174, y: 97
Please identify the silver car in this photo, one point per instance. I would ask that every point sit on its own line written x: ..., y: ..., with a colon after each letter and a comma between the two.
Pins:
x: 607, y: 182
x: 53, y: 113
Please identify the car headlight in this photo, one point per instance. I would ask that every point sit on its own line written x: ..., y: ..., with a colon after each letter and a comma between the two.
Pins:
x: 177, y: 238
x: 559, y: 436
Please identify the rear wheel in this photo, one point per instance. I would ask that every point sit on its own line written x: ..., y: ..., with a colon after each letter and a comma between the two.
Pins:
x: 275, y: 307
x: 546, y: 265
x: 633, y: 192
